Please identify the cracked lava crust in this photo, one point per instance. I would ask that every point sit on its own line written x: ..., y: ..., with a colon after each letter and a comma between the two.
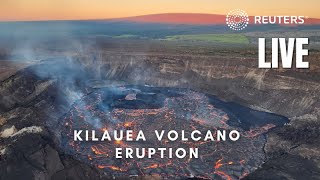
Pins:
x: 153, y: 108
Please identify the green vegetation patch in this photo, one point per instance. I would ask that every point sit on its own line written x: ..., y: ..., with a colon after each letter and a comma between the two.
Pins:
x: 126, y: 36
x: 220, y: 38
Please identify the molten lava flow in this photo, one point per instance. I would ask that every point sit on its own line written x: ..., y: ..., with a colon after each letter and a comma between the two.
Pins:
x: 152, y: 166
x: 118, y: 142
x: 128, y: 124
x: 150, y: 109
x: 258, y: 131
x: 97, y: 151
x: 101, y: 166
x: 115, y: 168
x: 217, y: 166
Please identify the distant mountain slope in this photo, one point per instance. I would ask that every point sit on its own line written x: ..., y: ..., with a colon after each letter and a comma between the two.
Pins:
x: 192, y: 19
x: 179, y: 18
x: 157, y: 26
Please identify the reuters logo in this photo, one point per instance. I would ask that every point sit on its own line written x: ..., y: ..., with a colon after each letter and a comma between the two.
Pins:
x: 237, y: 19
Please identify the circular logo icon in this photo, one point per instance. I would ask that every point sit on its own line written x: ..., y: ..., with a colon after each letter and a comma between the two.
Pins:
x: 237, y: 19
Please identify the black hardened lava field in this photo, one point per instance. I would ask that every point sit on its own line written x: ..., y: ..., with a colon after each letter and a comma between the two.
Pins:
x: 44, y: 104
x: 158, y: 108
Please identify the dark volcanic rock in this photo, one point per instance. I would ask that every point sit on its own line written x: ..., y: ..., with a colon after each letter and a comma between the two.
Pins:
x: 30, y: 98
x: 286, y: 167
x: 28, y: 103
x: 31, y: 156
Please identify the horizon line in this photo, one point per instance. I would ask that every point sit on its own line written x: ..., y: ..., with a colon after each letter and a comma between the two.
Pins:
x: 123, y: 18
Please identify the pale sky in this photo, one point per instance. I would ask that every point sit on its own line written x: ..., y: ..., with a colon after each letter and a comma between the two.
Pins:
x: 12, y: 10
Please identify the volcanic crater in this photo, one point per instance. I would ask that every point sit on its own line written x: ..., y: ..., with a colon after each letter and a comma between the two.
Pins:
x: 43, y: 103
x: 147, y: 108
